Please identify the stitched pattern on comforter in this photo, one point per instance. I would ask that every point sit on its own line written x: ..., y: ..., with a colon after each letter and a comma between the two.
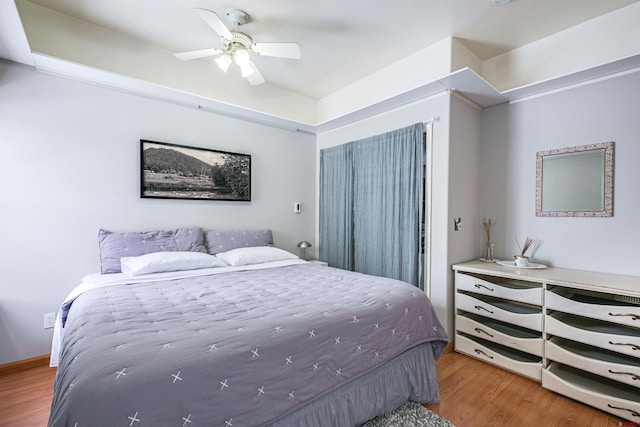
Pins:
x: 233, y: 349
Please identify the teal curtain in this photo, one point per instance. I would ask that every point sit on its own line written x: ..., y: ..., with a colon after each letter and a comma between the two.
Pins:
x: 336, y: 204
x: 371, y: 200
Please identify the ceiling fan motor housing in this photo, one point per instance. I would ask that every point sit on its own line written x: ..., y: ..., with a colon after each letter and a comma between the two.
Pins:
x: 242, y: 38
x: 238, y: 17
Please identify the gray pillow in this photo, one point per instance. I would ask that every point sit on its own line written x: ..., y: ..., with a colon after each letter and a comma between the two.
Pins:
x: 223, y: 241
x: 114, y: 246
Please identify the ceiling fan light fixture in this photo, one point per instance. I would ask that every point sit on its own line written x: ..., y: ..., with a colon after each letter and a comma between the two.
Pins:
x: 241, y: 57
x: 223, y: 62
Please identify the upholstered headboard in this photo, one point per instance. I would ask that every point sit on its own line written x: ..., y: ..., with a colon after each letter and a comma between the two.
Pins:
x: 223, y: 241
x: 114, y: 246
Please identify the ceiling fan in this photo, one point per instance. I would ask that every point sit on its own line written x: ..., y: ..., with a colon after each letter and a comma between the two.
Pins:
x: 238, y: 46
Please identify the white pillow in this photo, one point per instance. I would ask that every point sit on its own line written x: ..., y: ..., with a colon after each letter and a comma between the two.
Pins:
x: 157, y: 262
x: 254, y: 255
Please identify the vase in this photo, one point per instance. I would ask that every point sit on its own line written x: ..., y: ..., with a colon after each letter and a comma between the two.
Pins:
x: 488, y: 251
x: 521, y: 260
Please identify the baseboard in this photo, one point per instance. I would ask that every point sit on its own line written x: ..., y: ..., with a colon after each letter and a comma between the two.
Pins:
x: 23, y: 365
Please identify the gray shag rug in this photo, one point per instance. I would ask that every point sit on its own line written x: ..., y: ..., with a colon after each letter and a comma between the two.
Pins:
x: 411, y: 414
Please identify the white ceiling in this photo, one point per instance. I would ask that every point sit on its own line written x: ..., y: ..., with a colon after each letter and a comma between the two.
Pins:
x: 342, y: 41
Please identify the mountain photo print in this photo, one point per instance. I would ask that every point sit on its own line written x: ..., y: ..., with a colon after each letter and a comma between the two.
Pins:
x: 170, y: 171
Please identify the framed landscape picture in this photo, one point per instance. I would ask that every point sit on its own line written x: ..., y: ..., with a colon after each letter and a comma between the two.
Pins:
x: 171, y: 171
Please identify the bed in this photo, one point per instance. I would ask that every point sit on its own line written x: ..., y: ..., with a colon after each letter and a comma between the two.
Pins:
x: 260, y: 338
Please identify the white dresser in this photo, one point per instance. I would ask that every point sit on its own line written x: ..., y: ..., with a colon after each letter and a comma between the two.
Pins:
x: 577, y: 332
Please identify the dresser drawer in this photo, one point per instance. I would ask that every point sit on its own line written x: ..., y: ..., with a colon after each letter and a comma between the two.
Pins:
x: 600, y: 334
x: 590, y: 305
x: 500, y: 288
x: 615, y: 398
x: 528, y: 366
x: 546, y: 323
x: 610, y: 365
x: 506, y: 311
x: 501, y: 333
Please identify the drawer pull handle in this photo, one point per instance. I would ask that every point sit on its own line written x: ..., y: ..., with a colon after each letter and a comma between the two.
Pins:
x: 478, y: 286
x: 482, y: 331
x: 633, y: 346
x: 633, y: 376
x: 483, y: 353
x: 477, y: 307
x: 634, y: 413
x: 633, y: 316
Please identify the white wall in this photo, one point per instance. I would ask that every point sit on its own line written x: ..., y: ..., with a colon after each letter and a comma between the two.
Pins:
x: 464, y: 190
x: 512, y: 134
x: 69, y: 165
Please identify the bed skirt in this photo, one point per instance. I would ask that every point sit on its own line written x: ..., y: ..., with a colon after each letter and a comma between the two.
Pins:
x: 409, y: 376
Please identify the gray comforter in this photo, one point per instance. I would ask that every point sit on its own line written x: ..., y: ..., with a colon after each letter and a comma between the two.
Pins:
x: 241, y: 348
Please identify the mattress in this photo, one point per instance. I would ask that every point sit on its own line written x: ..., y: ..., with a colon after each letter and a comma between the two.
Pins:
x: 283, y: 343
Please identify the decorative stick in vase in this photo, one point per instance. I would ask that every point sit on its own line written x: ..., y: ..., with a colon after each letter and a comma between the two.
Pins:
x: 488, y: 248
x: 522, y: 260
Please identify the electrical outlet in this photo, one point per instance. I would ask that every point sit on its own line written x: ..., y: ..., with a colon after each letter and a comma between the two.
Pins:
x: 49, y: 320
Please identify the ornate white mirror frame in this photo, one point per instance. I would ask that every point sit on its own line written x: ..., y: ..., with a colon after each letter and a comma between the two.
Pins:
x: 575, y: 181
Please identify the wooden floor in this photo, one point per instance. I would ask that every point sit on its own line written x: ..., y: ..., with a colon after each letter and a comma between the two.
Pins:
x: 25, y: 397
x: 472, y: 394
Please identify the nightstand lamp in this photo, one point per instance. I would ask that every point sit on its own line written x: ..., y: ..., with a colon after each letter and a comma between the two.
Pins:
x: 303, y: 249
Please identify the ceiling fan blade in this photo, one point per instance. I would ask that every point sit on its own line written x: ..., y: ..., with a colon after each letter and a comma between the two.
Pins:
x: 255, y: 78
x: 281, y: 50
x: 195, y: 54
x: 214, y: 21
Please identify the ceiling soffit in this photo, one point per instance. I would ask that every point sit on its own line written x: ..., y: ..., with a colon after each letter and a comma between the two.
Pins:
x: 81, y: 50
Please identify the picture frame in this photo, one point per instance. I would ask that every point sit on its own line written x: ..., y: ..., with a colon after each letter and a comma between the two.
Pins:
x: 172, y: 171
x: 575, y: 181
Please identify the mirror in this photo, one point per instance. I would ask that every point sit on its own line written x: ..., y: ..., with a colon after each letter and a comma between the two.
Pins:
x: 575, y: 181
